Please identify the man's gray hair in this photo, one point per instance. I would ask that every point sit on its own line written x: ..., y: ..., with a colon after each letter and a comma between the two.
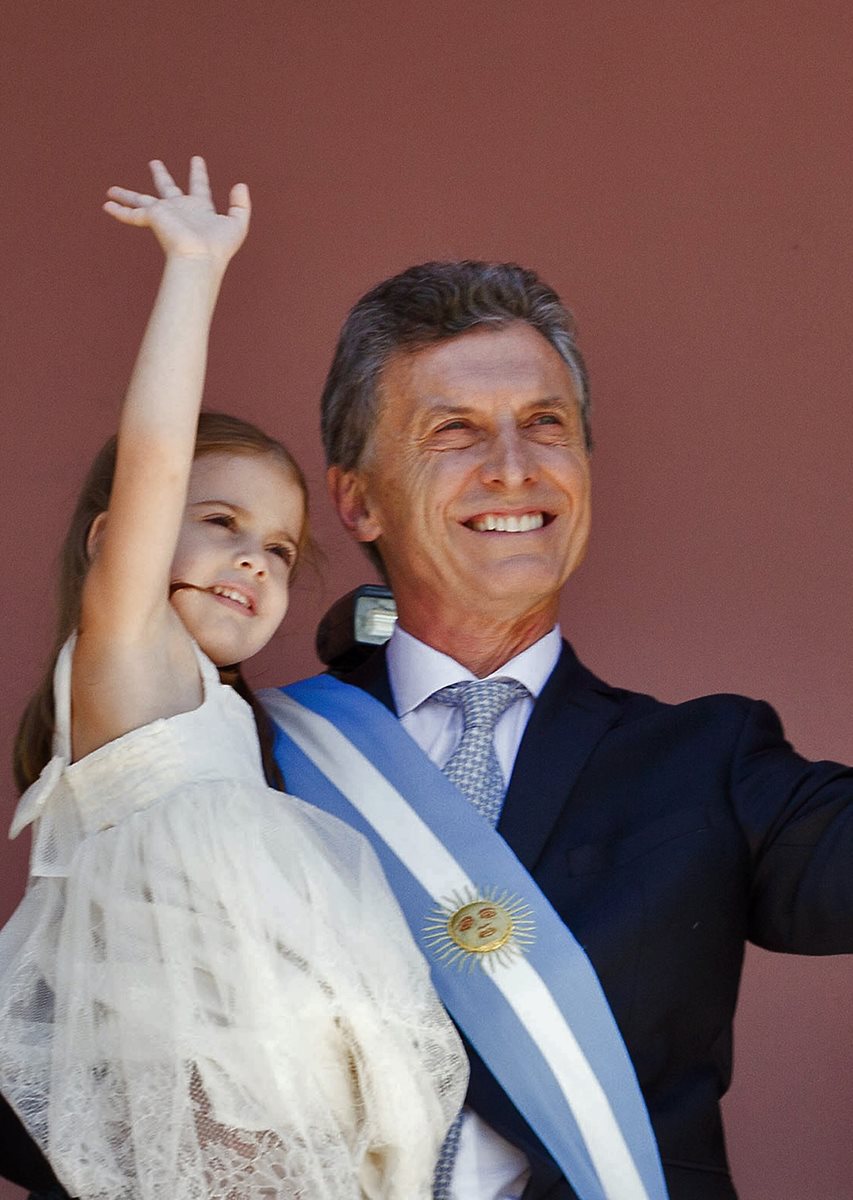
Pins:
x: 420, y: 306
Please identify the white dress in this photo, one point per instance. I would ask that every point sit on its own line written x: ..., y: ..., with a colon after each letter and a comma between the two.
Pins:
x: 208, y: 991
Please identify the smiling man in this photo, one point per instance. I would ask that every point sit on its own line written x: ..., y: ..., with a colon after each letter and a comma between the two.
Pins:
x: 657, y: 838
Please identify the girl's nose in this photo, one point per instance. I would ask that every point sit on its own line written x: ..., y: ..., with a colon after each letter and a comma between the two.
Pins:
x: 254, y: 561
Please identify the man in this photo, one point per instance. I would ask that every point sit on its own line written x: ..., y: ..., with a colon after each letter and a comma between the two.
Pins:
x: 455, y: 420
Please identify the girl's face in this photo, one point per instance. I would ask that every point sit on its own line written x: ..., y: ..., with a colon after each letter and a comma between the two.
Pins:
x: 236, y: 549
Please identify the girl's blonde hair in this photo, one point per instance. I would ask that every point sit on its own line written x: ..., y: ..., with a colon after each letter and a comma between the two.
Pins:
x: 218, y: 433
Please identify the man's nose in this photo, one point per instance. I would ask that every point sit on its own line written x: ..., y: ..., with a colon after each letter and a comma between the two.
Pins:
x: 509, y: 462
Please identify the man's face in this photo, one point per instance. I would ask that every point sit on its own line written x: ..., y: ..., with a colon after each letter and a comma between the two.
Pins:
x: 476, y: 486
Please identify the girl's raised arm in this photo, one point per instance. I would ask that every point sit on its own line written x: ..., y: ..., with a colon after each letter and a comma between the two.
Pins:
x: 126, y: 592
x: 133, y: 661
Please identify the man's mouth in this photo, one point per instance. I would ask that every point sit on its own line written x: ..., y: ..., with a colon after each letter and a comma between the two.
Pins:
x: 507, y: 523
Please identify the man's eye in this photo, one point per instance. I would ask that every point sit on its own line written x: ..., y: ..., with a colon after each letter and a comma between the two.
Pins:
x: 456, y: 429
x: 546, y: 419
x: 457, y: 433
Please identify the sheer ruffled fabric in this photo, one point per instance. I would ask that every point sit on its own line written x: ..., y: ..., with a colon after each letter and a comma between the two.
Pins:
x: 208, y: 990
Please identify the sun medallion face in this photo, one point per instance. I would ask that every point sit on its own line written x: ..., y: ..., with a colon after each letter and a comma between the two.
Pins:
x: 483, y: 928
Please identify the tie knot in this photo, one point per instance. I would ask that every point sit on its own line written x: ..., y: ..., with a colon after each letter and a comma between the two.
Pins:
x: 483, y: 701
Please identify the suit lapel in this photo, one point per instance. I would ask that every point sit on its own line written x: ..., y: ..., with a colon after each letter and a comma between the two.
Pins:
x: 572, y: 714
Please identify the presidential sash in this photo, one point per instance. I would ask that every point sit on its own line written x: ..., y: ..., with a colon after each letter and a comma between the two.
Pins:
x: 507, y: 968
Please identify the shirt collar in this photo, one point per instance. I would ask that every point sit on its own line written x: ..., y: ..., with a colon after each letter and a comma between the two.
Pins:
x: 416, y: 670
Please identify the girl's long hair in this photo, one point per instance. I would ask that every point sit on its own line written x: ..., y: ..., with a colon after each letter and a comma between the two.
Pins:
x: 217, y: 433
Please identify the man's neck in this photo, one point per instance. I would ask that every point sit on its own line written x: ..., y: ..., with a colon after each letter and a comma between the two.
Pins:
x: 483, y: 646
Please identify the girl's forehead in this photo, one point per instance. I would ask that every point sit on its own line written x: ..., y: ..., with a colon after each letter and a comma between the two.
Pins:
x: 244, y: 480
x: 237, y: 467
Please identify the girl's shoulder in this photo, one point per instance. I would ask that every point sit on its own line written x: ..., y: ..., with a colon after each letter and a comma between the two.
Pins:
x: 209, y: 745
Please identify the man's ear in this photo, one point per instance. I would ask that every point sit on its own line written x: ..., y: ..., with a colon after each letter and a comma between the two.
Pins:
x: 95, y: 534
x: 348, y: 492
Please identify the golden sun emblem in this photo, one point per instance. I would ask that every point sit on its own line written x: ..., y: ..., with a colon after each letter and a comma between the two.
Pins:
x: 482, y: 927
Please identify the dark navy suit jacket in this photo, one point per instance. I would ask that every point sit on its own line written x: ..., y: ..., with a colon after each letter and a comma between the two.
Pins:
x: 667, y: 836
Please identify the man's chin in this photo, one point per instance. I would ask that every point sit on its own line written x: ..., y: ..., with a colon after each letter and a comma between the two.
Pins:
x: 517, y: 577
x: 505, y: 592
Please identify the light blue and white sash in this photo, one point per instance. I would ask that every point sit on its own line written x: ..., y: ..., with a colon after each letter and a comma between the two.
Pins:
x: 534, y: 1010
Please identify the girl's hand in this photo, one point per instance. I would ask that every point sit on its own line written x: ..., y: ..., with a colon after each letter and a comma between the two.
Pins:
x: 185, y: 225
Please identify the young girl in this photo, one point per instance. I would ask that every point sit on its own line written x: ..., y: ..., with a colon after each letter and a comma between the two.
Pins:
x: 208, y: 990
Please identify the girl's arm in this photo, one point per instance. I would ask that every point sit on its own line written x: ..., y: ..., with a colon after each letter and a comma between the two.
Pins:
x: 127, y: 585
x: 126, y: 614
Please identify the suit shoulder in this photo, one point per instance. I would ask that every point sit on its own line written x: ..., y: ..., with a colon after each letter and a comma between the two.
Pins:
x: 719, y: 705
x: 726, y: 712
x: 726, y: 708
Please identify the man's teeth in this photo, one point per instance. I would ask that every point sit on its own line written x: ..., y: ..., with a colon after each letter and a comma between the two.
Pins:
x: 492, y: 522
x: 230, y: 594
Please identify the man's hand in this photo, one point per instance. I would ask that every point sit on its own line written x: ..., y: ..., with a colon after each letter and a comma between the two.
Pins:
x: 186, y: 224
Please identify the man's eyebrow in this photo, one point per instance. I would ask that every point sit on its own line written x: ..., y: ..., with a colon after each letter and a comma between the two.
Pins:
x: 441, y: 408
x: 553, y: 402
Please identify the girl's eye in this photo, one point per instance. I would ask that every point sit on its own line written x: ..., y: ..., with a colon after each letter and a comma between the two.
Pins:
x: 284, y: 552
x: 220, y: 519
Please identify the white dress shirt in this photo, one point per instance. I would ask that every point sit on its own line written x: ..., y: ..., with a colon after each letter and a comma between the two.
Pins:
x: 487, y: 1167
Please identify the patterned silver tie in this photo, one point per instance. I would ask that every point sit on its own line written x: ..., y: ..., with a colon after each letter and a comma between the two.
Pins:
x: 474, y: 768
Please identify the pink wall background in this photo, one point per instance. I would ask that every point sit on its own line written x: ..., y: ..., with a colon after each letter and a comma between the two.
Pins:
x: 679, y: 170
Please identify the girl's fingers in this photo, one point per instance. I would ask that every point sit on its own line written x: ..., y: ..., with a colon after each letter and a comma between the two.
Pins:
x: 130, y: 216
x: 163, y: 181
x: 134, y: 208
x: 199, y: 182
x: 134, y: 199
x: 239, y: 202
